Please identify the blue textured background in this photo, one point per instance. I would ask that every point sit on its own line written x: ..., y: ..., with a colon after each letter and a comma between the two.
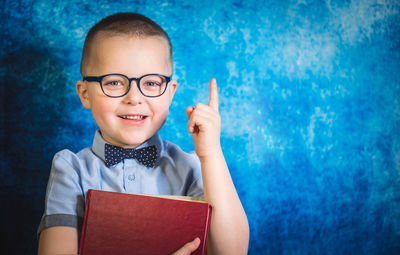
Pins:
x: 309, y: 94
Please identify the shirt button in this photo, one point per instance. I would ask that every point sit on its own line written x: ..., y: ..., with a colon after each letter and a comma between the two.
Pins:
x: 131, y: 177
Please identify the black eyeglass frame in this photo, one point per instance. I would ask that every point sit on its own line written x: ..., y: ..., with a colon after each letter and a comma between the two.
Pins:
x: 99, y: 79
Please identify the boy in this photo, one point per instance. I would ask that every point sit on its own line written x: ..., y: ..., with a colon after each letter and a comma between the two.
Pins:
x: 129, y: 113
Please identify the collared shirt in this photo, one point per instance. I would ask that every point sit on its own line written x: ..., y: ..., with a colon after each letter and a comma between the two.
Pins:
x: 72, y: 175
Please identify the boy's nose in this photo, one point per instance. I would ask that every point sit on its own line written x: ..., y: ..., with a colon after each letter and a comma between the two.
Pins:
x: 134, y: 96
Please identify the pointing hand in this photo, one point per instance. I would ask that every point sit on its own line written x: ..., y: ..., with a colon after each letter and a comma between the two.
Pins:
x: 205, y: 124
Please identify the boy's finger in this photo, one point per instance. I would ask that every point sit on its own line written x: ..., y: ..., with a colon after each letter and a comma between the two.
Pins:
x: 188, y: 248
x: 189, y: 111
x: 191, y: 123
x: 213, y: 103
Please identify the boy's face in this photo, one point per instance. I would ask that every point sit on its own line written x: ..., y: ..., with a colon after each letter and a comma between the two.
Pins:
x: 133, y: 57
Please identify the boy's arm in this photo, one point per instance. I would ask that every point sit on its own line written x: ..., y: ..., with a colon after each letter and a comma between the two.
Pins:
x: 229, y: 230
x: 58, y: 240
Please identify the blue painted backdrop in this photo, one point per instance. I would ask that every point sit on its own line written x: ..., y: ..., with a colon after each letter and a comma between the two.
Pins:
x: 309, y: 94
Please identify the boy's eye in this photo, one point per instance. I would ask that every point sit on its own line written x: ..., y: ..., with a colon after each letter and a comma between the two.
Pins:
x: 113, y: 83
x: 151, y: 84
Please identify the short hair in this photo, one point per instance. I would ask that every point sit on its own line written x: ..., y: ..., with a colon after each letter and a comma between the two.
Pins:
x: 129, y: 24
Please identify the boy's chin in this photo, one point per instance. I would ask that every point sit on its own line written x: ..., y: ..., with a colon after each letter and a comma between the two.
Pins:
x: 131, y: 141
x: 135, y: 141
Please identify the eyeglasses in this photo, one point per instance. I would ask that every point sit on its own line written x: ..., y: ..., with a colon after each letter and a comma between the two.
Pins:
x: 118, y: 85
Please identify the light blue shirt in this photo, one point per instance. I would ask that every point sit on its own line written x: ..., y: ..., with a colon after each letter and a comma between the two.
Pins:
x: 175, y: 173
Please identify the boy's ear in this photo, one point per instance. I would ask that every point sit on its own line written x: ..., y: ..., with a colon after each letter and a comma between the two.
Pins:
x: 172, y: 87
x: 81, y: 89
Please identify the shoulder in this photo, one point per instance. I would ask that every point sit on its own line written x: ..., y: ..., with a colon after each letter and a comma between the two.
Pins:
x: 171, y: 147
x: 185, y: 165
x: 180, y: 157
x: 68, y: 157
x: 69, y: 161
x: 69, y: 171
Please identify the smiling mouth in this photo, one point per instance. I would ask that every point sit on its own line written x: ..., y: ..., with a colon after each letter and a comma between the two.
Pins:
x: 133, y: 117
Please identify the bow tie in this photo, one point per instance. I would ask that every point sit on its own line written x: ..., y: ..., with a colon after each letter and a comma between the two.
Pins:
x: 146, y: 156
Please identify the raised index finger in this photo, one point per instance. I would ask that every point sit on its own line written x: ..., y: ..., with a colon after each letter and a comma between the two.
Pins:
x: 213, y: 103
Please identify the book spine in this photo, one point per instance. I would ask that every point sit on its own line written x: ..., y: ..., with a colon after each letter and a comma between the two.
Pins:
x: 207, y: 228
x: 83, y: 233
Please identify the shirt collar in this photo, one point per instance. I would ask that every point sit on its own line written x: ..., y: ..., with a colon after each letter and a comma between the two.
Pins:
x: 99, y: 144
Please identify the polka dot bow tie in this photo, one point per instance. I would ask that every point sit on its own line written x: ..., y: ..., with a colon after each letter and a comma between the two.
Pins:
x: 146, y: 156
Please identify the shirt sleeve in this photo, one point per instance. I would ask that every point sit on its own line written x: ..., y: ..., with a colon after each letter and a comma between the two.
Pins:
x: 64, y: 202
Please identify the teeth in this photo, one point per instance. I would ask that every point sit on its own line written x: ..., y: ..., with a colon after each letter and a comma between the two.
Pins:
x: 132, y: 117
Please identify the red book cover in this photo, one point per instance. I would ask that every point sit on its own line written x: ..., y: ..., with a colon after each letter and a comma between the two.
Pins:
x: 120, y: 223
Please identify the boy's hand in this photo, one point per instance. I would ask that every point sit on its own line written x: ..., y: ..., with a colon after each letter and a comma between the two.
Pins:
x: 205, y: 124
x: 188, y: 248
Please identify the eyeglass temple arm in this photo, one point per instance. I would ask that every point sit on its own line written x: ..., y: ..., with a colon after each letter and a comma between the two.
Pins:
x: 92, y: 78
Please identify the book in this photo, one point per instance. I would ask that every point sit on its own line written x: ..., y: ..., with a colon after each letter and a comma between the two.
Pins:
x: 121, y: 223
